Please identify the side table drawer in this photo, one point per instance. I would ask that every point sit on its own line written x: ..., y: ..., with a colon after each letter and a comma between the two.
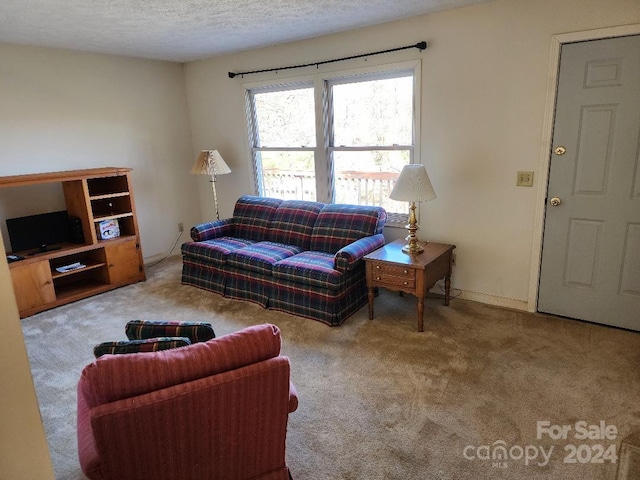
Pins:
x: 393, y: 275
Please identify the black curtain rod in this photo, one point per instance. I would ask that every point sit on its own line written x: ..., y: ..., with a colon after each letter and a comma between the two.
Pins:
x: 420, y: 45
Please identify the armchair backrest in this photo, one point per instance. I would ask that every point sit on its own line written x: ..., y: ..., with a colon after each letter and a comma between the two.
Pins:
x: 216, y: 409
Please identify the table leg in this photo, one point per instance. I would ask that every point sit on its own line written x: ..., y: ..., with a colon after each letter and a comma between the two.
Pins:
x: 447, y: 289
x: 371, y: 296
x: 421, y: 313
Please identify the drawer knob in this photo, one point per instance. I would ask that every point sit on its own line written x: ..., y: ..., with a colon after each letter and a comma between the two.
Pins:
x: 378, y: 267
x: 377, y: 278
x: 405, y: 272
x: 406, y: 283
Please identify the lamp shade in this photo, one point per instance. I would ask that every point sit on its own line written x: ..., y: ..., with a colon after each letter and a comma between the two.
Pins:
x: 210, y: 162
x: 413, y: 185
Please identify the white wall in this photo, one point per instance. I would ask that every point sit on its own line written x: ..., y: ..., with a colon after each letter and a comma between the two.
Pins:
x: 484, y: 86
x: 23, y: 446
x: 63, y: 110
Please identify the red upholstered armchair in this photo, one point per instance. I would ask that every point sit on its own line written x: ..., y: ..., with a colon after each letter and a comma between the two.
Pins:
x: 211, y: 410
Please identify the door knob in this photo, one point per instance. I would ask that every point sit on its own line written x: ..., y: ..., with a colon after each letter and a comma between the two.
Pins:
x: 560, y: 150
x: 555, y: 201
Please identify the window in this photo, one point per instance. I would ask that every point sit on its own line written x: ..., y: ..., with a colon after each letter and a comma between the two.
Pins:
x: 284, y: 142
x: 341, y: 140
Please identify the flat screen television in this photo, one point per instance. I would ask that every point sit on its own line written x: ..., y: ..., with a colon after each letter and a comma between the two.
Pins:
x: 42, y: 232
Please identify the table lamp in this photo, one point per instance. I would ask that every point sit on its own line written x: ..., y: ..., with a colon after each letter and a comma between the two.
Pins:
x: 413, y: 185
x: 210, y: 162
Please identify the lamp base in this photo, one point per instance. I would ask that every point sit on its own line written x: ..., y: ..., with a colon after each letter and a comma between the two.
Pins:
x: 412, y: 248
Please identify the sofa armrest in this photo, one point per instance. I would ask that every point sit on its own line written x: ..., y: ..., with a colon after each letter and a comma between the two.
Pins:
x: 211, y: 230
x: 348, y: 257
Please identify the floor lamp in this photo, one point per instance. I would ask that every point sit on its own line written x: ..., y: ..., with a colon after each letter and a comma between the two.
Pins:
x: 210, y: 162
x: 413, y: 185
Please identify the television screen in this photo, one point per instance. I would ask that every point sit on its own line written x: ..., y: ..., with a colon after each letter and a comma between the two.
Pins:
x: 38, y: 231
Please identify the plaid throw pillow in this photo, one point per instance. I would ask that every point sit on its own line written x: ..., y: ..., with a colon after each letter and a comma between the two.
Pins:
x: 138, y: 346
x: 194, y: 331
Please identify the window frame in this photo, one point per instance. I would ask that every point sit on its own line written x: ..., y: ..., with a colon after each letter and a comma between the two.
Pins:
x: 323, y: 150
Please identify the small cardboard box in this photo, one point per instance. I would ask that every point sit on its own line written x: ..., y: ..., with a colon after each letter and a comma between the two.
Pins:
x: 108, y: 229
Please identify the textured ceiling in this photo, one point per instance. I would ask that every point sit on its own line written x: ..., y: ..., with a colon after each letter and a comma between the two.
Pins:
x: 185, y: 30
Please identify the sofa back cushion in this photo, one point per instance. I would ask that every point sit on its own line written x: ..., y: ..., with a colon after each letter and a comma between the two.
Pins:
x: 115, y: 377
x: 293, y: 222
x: 339, y: 224
x: 252, y: 217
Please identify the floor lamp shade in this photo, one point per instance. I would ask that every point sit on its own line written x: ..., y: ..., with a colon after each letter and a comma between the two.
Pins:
x: 210, y: 162
x: 413, y: 185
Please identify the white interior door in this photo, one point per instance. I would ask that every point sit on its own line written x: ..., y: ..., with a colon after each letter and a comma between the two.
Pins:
x: 590, y: 268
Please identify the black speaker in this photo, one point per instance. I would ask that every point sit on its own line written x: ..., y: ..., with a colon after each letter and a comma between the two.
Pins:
x: 76, y: 235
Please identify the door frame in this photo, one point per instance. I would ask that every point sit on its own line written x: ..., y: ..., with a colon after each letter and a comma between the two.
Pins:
x: 547, y: 136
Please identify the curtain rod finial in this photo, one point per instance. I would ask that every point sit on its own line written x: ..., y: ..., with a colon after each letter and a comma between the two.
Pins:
x: 422, y: 45
x: 232, y: 75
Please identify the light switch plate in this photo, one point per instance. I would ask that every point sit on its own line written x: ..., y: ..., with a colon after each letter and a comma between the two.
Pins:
x: 525, y: 179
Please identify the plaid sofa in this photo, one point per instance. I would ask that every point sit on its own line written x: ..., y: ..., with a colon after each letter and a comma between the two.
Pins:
x: 299, y: 257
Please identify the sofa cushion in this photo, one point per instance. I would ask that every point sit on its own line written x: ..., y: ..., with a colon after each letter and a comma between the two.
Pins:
x: 115, y: 377
x: 214, y: 251
x: 139, y: 346
x: 260, y: 257
x: 338, y: 225
x: 310, y: 268
x: 252, y: 217
x: 194, y: 331
x: 293, y: 222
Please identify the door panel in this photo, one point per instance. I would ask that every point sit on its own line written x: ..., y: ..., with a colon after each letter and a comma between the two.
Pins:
x: 597, y: 129
x: 630, y: 278
x: 590, y: 268
x: 582, y: 253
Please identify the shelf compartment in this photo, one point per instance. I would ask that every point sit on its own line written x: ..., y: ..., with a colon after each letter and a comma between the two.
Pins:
x: 111, y: 206
x: 111, y: 217
x: 82, y: 279
x: 96, y: 268
x: 87, y: 266
x: 76, y: 290
x: 107, y: 185
x: 109, y: 195
x: 126, y: 223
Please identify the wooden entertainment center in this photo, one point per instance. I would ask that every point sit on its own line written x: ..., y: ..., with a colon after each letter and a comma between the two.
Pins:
x: 92, y: 196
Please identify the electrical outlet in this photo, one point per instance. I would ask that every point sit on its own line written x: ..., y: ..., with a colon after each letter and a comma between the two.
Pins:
x: 180, y: 227
x: 525, y: 179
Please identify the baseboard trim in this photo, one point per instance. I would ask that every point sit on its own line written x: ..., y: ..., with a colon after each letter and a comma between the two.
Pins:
x: 150, y: 261
x: 494, y: 300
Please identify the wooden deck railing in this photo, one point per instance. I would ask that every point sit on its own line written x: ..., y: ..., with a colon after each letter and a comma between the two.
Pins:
x: 359, y: 188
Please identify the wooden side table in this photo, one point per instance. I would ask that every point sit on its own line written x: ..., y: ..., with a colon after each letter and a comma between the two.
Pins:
x: 391, y: 268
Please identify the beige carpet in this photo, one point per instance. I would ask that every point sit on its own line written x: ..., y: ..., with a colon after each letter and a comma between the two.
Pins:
x: 378, y: 400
